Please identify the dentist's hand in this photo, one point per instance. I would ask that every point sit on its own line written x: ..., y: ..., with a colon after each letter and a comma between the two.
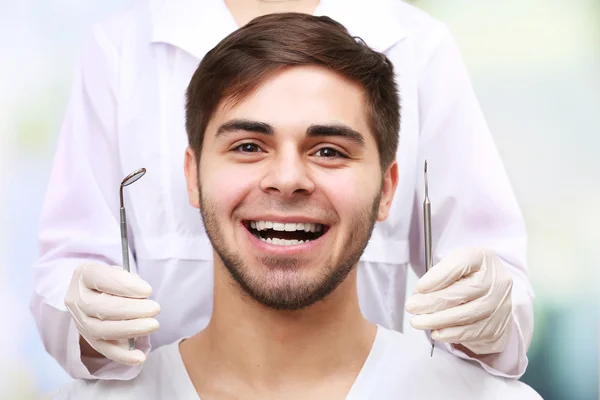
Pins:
x: 465, y: 299
x: 109, y: 306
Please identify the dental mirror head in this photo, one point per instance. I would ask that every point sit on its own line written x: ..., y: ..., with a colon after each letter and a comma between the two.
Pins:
x: 129, y: 179
x: 134, y: 176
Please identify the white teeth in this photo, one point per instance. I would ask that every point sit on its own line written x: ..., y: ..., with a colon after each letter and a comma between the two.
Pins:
x: 286, y: 227
x: 283, y: 242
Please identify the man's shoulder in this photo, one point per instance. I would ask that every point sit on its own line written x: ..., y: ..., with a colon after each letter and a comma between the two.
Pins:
x: 409, y: 369
x: 151, y: 381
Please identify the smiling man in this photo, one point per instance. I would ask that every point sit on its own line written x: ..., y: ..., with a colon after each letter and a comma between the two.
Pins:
x: 293, y: 129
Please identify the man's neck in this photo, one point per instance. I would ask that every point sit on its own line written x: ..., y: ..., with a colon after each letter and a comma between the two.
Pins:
x: 250, y: 348
x: 243, y: 11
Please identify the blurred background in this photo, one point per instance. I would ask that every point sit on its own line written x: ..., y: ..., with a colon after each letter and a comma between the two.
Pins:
x: 535, y: 66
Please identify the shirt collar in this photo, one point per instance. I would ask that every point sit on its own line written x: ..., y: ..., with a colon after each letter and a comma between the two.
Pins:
x: 196, y: 26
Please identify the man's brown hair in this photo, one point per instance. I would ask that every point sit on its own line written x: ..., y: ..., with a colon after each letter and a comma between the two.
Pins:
x: 242, y: 61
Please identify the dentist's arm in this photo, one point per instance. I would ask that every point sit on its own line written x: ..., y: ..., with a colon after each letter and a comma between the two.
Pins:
x: 80, y: 226
x: 473, y: 207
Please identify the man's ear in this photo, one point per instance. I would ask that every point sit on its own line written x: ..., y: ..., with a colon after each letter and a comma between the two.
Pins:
x: 388, y: 189
x: 191, y: 177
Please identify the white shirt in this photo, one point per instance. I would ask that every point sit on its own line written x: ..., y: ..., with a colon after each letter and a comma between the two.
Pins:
x: 396, y: 368
x: 127, y: 111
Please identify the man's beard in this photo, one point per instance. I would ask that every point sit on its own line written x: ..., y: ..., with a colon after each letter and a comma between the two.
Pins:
x: 278, y: 290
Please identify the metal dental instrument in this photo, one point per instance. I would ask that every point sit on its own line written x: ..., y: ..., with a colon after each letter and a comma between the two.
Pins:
x: 129, y: 179
x: 427, y: 230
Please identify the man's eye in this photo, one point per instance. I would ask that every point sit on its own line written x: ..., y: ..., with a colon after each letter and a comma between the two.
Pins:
x: 329, y: 152
x: 247, y: 148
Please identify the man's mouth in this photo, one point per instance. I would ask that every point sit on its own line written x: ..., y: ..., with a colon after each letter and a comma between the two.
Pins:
x: 286, y: 233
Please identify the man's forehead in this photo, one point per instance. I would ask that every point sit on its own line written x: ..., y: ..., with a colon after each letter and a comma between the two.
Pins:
x: 308, y: 101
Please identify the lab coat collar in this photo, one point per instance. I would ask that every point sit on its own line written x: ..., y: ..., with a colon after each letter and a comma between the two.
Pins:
x: 196, y: 26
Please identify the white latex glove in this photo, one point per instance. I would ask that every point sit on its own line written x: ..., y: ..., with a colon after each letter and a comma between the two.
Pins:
x: 465, y: 299
x: 109, y: 306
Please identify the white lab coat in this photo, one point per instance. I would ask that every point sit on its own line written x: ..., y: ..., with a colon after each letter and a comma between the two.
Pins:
x: 397, y: 367
x: 127, y: 111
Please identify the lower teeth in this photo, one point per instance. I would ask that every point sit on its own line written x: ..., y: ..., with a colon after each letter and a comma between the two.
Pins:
x: 283, y: 242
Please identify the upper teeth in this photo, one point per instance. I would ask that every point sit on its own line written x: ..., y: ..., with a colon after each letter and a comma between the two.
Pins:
x: 287, y: 226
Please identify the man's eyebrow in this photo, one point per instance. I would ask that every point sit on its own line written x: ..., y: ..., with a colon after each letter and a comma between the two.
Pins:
x: 246, y: 125
x: 339, y: 130
x: 336, y: 130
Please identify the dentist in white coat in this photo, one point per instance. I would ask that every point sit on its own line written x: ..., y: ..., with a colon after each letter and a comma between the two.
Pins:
x: 127, y: 111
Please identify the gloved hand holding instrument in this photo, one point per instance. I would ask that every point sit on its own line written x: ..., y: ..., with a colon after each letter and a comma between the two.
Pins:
x: 110, y: 306
x: 466, y: 299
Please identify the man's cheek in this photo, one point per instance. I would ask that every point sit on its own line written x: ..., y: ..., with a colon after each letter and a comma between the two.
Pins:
x: 226, y: 187
x: 346, y: 191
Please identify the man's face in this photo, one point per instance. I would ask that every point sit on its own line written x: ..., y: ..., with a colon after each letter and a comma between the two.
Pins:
x: 290, y: 186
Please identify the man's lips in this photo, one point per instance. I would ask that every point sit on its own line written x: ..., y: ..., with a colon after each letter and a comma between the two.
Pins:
x: 282, y: 247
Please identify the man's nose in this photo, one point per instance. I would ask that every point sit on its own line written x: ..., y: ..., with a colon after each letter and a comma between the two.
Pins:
x: 287, y: 176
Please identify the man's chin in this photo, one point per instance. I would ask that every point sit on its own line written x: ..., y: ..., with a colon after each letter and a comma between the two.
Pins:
x: 286, y: 288
x: 286, y: 300
x: 292, y: 266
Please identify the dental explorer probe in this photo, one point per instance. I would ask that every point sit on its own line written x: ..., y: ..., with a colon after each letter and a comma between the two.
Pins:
x: 427, y: 230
